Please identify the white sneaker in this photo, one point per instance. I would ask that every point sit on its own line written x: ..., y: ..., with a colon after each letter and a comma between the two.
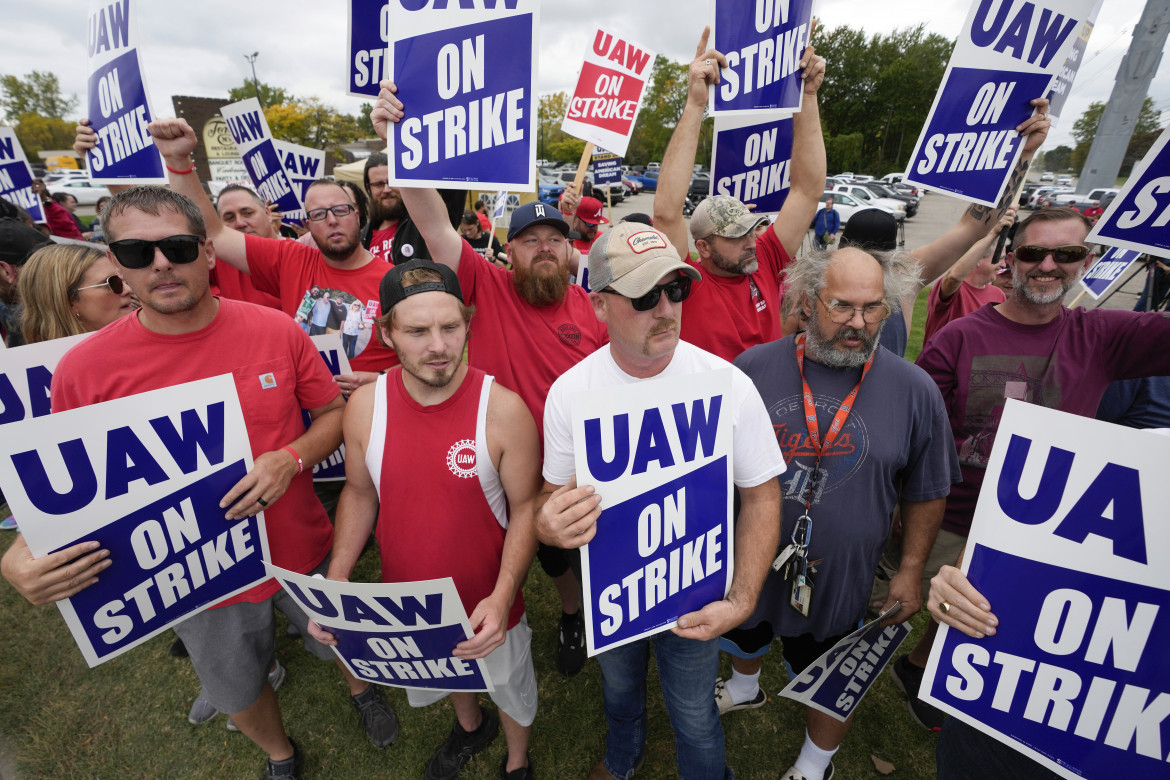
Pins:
x: 795, y: 774
x: 725, y: 703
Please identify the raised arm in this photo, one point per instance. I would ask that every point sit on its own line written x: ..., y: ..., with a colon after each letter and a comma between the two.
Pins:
x: 678, y: 162
x: 950, y: 282
x: 808, y: 165
x: 425, y: 206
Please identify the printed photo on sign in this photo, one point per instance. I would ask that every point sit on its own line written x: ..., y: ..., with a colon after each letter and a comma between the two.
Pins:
x: 466, y: 73
x: 117, y: 100
x: 324, y: 310
x: 393, y: 633
x: 836, y: 682
x: 1007, y: 54
x: 605, y: 104
x: 256, y: 146
x: 26, y: 374
x: 1107, y: 273
x: 143, y: 476
x: 660, y: 457
x: 1067, y: 546
x: 16, y: 176
x: 752, y: 161
x: 1138, y: 216
x: 763, y: 41
x: 329, y: 345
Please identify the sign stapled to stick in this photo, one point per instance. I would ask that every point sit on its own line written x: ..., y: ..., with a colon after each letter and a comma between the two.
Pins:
x: 118, y: 101
x: 16, y: 176
x: 466, y: 74
x: 1068, y: 547
x: 400, y: 634
x: 1138, y: 216
x: 752, y: 161
x: 142, y: 475
x: 605, y: 104
x: 1007, y: 54
x: 660, y: 456
x: 763, y: 41
x: 257, y: 148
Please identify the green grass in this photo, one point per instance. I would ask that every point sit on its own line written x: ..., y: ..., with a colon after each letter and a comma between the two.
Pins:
x: 127, y: 718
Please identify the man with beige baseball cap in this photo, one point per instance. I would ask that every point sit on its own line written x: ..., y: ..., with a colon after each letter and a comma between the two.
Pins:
x: 639, y: 285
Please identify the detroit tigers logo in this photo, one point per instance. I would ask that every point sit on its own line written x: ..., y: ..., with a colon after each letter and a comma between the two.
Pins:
x: 461, y: 459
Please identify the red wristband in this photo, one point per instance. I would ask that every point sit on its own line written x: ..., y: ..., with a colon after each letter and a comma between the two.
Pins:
x: 300, y: 463
x: 180, y: 173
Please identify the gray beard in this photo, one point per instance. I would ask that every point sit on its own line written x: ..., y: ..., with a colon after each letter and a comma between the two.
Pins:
x: 823, y: 352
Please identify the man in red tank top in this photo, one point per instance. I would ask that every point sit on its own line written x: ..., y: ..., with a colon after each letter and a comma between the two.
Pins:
x: 463, y: 509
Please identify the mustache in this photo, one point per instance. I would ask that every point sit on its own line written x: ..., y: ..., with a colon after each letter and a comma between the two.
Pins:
x: 664, y: 327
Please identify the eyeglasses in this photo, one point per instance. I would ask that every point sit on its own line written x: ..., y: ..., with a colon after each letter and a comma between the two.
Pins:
x: 676, y: 292
x: 1069, y: 253
x: 138, y: 253
x: 378, y: 186
x: 113, y: 282
x: 841, y: 313
x: 344, y: 210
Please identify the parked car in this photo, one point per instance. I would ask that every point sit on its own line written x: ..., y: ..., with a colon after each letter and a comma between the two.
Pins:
x: 863, y: 195
x: 909, y: 189
x: 648, y: 179
x: 633, y: 184
x: 1047, y: 176
x: 861, y: 177
x: 653, y: 166
x: 1043, y: 192
x: 1027, y: 193
x: 700, y: 187
x: 65, y: 174
x: 882, y: 191
x: 85, y: 191
x: 893, y: 178
x: 1081, y: 202
x: 846, y: 176
x: 549, y: 190
x: 616, y: 191
x: 1064, y: 180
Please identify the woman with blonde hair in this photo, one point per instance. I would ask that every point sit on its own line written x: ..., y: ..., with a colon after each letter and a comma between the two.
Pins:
x: 68, y: 289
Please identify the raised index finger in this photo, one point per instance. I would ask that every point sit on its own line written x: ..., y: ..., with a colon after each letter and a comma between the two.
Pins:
x: 702, y: 47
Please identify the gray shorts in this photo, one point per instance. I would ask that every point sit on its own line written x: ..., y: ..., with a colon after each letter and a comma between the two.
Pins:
x: 232, y: 647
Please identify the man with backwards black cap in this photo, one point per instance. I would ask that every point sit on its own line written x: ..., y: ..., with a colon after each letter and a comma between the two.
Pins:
x: 463, y: 509
x: 17, y: 242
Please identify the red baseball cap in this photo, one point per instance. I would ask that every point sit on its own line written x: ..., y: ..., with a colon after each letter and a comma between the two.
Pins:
x: 589, y: 211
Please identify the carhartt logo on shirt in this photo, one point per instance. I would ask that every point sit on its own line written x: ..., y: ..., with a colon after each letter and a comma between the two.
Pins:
x: 461, y: 459
x: 267, y: 381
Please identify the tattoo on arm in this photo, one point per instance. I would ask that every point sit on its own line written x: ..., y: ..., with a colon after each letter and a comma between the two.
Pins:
x: 987, y: 215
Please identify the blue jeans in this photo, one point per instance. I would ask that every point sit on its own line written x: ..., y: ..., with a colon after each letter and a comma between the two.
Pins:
x: 687, y: 670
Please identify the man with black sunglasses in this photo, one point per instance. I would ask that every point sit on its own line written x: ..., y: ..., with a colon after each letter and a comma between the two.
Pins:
x: 181, y: 334
x: 639, y: 285
x: 1031, y: 348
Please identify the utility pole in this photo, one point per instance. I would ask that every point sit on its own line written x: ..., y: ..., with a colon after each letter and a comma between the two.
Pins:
x: 1130, y: 88
x: 256, y: 84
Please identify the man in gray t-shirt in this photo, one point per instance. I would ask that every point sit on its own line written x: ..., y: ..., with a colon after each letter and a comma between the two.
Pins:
x: 894, y: 448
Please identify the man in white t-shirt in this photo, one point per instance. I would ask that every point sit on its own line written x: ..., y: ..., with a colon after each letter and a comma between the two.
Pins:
x: 639, y: 284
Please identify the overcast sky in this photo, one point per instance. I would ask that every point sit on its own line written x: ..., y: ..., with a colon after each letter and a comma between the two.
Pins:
x: 197, y: 48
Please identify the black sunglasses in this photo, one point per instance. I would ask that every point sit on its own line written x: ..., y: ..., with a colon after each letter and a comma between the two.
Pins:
x: 676, y: 292
x: 113, y: 282
x: 139, y: 253
x: 1070, y: 253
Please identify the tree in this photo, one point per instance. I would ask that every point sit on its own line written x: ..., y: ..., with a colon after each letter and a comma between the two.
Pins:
x: 37, y: 93
x: 269, y: 95
x: 666, y: 96
x: 1058, y: 159
x: 1145, y: 133
x: 309, y: 122
x: 38, y: 133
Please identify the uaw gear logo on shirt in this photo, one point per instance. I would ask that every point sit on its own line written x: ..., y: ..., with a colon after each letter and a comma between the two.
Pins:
x: 839, y: 463
x: 461, y: 459
x: 570, y: 334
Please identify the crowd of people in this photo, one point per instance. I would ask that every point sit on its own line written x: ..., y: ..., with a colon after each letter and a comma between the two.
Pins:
x: 458, y: 341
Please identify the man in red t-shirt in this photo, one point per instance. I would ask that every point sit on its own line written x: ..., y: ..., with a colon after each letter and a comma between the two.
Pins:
x: 231, y: 644
x: 737, y: 305
x: 240, y: 208
x: 463, y: 510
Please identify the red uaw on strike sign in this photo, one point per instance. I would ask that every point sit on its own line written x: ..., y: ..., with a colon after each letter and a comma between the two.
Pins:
x: 609, y: 92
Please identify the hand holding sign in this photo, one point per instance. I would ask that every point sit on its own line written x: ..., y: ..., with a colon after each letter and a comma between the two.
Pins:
x: 262, y: 486
x: 387, y: 109
x: 713, y: 620
x: 1035, y: 128
x: 568, y: 518
x: 489, y: 620
x: 704, y: 70
x: 954, y: 601
x: 53, y: 577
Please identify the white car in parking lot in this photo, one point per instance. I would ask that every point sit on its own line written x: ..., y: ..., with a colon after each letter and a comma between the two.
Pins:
x: 85, y: 191
x: 863, y: 195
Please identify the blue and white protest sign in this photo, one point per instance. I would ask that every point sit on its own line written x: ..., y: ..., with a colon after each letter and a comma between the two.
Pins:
x: 607, y: 167
x: 763, y: 41
x: 1062, y: 84
x: 142, y: 475
x: 836, y: 682
x: 335, y: 349
x: 1106, y: 274
x: 752, y: 161
x: 659, y: 454
x: 302, y: 164
x: 1007, y: 54
x: 466, y: 73
x: 393, y: 633
x: 608, y: 97
x: 257, y: 147
x: 1068, y: 546
x: 368, y: 34
x: 118, y: 100
x: 26, y: 373
x: 16, y: 175
x: 1137, y: 217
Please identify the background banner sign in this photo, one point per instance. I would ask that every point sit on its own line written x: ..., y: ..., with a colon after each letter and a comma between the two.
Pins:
x: 659, y: 454
x: 336, y: 357
x: 254, y: 141
x: 604, y: 107
x: 467, y: 77
x: 117, y: 100
x: 1137, y: 217
x: 369, y: 33
x: 752, y: 161
x: 1062, y: 84
x: 836, y: 682
x: 1068, y: 546
x: 26, y: 373
x: 1007, y: 54
x: 16, y: 175
x: 400, y: 634
x: 143, y: 475
x: 763, y: 41
x: 302, y: 164
x: 1107, y: 271
x: 607, y: 167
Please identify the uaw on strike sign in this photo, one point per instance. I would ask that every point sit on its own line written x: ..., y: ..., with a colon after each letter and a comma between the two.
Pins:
x: 659, y: 455
x: 605, y: 105
x: 1068, y: 546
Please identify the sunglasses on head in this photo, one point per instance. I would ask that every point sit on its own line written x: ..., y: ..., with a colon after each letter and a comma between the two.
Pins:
x: 139, y: 253
x: 1070, y: 253
x: 676, y: 291
x: 113, y: 282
